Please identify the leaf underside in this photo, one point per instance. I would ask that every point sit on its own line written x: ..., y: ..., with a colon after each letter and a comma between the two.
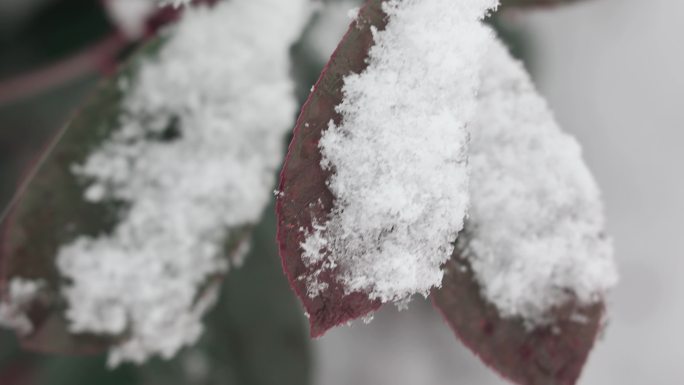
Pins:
x: 551, y: 355
x: 305, y: 198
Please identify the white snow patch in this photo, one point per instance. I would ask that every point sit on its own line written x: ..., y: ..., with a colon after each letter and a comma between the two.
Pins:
x: 195, y: 156
x: 535, y: 233
x: 20, y: 294
x: 130, y: 15
x: 399, y: 157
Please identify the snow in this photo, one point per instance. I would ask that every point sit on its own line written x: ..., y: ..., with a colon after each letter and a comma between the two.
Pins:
x: 535, y: 233
x: 20, y: 294
x: 130, y: 15
x: 195, y: 155
x: 534, y: 229
x: 400, y: 155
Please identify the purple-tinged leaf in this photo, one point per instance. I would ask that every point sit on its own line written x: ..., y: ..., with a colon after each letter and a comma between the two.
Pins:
x: 551, y: 355
x: 304, y: 196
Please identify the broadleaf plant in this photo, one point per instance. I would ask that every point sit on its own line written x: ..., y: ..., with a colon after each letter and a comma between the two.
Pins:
x: 118, y: 206
x: 531, y: 316
x: 49, y: 210
x: 424, y: 162
x: 303, y: 196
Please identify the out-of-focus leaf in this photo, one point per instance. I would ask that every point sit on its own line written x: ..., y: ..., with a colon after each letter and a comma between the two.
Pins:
x: 51, y: 211
x: 256, y: 335
x: 552, y: 355
x: 305, y: 198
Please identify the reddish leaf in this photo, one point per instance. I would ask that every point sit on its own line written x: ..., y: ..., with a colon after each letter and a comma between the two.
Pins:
x: 305, y: 197
x: 552, y: 355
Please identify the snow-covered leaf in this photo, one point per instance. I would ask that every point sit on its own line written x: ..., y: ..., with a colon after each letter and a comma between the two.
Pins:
x: 526, y: 284
x: 374, y: 189
x: 549, y: 355
x: 304, y: 197
x: 148, y: 196
x: 50, y: 211
x: 239, y: 341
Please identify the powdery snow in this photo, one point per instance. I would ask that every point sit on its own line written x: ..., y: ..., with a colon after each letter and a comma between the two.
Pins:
x: 535, y: 232
x: 130, y: 15
x: 20, y: 294
x: 399, y: 156
x: 195, y: 156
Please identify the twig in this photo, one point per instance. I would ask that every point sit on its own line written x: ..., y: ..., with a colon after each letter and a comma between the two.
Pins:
x: 99, y: 57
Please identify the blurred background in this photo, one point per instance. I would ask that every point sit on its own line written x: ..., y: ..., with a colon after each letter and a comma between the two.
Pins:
x: 611, y: 70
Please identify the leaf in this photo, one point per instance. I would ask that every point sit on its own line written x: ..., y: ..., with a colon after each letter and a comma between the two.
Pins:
x: 50, y: 211
x: 304, y: 196
x: 254, y: 336
x: 552, y: 355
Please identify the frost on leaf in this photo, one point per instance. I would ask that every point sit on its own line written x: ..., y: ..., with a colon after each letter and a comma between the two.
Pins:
x: 375, y: 183
x: 525, y: 287
x: 161, y: 178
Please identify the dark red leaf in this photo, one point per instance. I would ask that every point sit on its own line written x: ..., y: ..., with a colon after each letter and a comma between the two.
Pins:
x: 552, y: 355
x: 305, y: 197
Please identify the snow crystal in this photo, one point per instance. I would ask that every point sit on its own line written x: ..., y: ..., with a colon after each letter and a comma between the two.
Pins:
x: 194, y: 156
x: 20, y: 295
x: 399, y: 156
x: 534, y: 235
